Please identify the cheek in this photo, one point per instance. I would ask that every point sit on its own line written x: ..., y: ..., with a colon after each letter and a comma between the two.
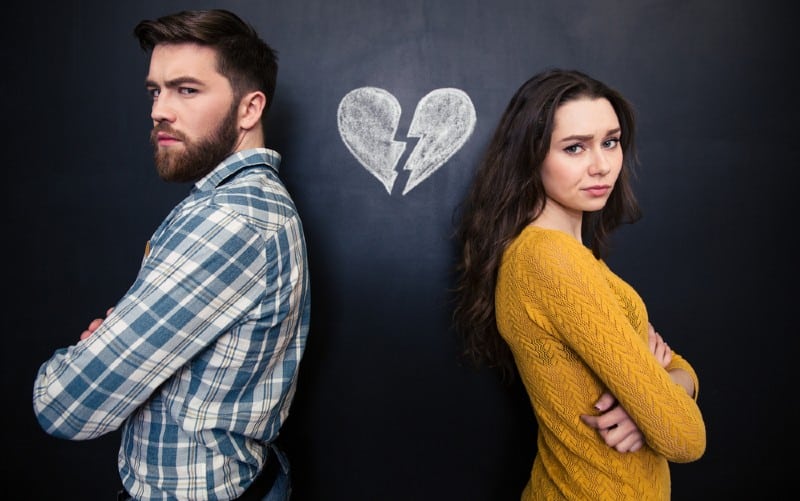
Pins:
x: 201, y: 127
x: 560, y: 183
x: 549, y: 181
x: 617, y: 169
x: 203, y: 121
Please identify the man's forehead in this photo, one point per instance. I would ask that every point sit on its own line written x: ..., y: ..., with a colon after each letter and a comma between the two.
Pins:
x: 171, y: 60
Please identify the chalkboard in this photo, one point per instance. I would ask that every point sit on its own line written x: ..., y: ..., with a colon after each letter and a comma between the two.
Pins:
x: 385, y: 408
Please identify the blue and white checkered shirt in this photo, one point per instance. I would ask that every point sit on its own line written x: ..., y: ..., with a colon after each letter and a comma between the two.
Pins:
x: 198, y: 361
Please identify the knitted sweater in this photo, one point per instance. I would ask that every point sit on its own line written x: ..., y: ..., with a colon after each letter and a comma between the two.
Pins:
x: 577, y: 329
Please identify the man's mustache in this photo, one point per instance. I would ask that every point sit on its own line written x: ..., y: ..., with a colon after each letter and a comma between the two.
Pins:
x: 166, y: 129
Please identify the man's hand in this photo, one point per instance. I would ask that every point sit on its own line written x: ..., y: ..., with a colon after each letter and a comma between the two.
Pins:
x: 93, y: 325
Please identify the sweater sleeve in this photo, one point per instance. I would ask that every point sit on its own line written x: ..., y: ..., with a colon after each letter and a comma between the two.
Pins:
x: 678, y: 362
x: 572, y: 292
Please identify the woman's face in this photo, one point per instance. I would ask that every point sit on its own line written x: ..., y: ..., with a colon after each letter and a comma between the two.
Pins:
x: 585, y: 157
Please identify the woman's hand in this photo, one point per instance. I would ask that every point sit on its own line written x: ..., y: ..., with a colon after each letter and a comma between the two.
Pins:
x: 614, y: 424
x: 658, y: 347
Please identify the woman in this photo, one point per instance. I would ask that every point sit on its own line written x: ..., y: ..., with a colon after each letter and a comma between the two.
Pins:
x: 613, y: 403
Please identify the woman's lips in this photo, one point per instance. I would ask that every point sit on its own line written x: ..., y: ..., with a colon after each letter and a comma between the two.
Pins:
x: 597, y: 191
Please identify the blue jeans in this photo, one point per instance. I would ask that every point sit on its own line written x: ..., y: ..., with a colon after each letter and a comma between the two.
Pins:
x: 281, y: 489
x: 282, y: 486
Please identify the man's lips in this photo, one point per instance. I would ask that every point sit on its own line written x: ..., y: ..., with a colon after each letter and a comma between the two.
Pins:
x: 164, y: 138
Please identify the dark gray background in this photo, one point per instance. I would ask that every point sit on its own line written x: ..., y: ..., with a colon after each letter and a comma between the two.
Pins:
x: 385, y: 410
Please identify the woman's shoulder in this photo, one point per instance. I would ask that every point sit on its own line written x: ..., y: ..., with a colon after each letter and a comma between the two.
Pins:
x: 545, y: 241
x: 547, y: 252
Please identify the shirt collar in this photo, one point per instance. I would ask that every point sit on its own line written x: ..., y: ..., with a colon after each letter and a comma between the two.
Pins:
x: 237, y: 162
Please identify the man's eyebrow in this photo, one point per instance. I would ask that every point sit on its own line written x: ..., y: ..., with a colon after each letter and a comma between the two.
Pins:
x: 175, y: 82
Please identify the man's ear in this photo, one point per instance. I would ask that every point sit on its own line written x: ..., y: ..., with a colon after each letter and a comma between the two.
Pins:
x: 251, y: 107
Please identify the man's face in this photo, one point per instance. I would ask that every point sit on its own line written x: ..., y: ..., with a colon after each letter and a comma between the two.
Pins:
x: 195, y: 121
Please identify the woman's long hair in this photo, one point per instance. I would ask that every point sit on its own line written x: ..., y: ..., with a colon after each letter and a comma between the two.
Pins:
x: 507, y: 194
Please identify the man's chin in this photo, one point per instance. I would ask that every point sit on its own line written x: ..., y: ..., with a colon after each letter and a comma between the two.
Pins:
x: 165, y: 166
x: 164, y: 173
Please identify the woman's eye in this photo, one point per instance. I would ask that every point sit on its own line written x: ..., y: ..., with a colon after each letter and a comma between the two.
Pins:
x: 573, y: 149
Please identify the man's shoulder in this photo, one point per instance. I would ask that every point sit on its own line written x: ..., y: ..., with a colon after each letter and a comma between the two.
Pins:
x: 257, y: 196
x: 256, y: 186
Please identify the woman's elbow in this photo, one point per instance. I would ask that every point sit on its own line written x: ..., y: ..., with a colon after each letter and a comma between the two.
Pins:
x: 689, y: 446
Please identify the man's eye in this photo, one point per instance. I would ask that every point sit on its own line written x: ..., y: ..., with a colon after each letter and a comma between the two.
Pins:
x: 187, y: 90
x: 153, y: 93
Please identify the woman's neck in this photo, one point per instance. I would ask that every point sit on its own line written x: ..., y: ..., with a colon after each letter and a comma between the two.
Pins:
x: 558, y: 217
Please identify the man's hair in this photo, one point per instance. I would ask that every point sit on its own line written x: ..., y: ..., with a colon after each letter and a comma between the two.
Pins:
x: 242, y: 57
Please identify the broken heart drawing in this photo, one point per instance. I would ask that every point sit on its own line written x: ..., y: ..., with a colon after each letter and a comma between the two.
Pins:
x: 368, y: 118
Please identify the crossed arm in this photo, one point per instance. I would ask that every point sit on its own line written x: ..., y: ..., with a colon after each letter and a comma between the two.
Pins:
x: 614, y: 425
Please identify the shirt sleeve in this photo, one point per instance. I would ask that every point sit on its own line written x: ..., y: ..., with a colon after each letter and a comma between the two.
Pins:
x: 583, y: 308
x: 201, y: 277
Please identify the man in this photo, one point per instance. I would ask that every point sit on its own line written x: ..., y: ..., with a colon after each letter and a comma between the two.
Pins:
x: 198, y: 360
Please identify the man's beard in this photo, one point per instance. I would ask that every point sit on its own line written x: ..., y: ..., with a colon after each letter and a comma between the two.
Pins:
x: 198, y: 158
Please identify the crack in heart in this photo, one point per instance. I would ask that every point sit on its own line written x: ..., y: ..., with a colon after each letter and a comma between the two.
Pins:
x: 368, y: 118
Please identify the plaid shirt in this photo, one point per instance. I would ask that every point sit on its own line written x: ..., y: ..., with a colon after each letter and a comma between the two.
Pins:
x: 198, y: 361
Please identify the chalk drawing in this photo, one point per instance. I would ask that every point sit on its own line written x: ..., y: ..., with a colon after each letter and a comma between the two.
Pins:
x: 444, y: 120
x: 368, y: 118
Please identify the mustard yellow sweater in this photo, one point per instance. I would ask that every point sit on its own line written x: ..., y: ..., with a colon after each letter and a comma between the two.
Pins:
x: 576, y: 329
